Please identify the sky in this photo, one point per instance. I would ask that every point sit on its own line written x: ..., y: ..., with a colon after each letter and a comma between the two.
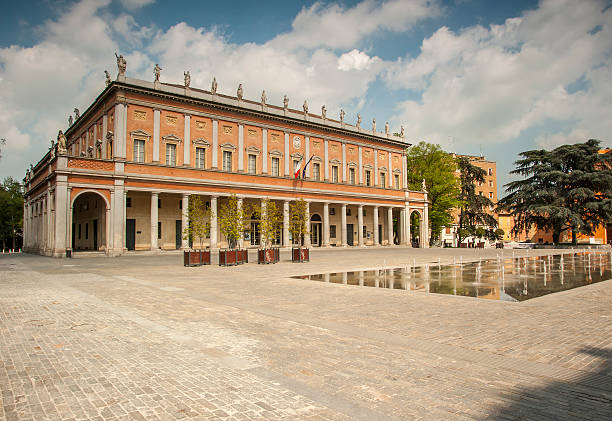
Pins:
x: 474, y: 76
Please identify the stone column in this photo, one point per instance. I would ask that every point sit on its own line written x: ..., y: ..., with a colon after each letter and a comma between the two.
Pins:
x: 307, y: 156
x: 288, y: 171
x: 118, y: 210
x: 47, y: 221
x: 286, y: 242
x: 360, y: 165
x: 375, y: 222
x: 360, y: 225
x: 241, y: 234
x: 344, y: 163
x: 402, y: 227
x: 307, y: 236
x: 103, y: 135
x: 325, y: 224
x: 107, y: 221
x: 343, y: 224
x: 213, y: 222
x: 375, y: 167
x: 408, y: 235
x: 404, y: 170
x: 240, y: 148
x: 154, y: 220
x: 187, y: 141
x: 185, y: 221
x: 390, y: 224
x: 264, y: 151
x: 425, y: 231
x: 69, y: 213
x: 215, y: 145
x: 326, y: 160
x: 120, y: 129
x: 156, y: 122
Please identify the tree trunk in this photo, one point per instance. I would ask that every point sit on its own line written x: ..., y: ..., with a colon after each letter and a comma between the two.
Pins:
x: 574, y: 241
x: 556, y: 235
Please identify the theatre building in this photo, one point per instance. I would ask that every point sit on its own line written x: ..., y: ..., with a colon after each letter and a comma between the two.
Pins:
x: 120, y: 176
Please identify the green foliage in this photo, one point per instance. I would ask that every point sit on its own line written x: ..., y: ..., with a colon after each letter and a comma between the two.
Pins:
x: 298, y: 220
x: 199, y: 220
x: 568, y: 188
x: 430, y: 163
x: 480, y: 232
x: 11, y: 212
x: 499, y: 234
x: 473, y: 211
x: 463, y: 233
x: 233, y: 220
x: 270, y: 222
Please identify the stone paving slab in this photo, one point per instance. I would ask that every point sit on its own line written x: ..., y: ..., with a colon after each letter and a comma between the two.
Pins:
x: 141, y: 337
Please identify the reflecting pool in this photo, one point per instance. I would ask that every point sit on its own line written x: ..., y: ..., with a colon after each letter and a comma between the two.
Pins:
x: 508, y: 279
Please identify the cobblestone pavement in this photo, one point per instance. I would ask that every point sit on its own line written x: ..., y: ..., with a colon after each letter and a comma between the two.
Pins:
x: 142, y: 337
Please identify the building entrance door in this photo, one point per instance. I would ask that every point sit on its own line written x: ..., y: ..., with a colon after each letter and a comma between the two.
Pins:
x: 254, y: 233
x: 179, y: 232
x: 349, y: 234
x: 95, y: 234
x: 380, y: 234
x: 315, y: 234
x: 130, y: 234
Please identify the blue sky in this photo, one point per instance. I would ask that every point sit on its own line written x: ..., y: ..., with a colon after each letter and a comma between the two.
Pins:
x: 473, y: 76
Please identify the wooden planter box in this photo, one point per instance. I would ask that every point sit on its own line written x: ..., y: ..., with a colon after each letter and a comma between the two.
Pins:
x: 300, y: 254
x: 196, y: 257
x: 266, y: 256
x: 233, y: 257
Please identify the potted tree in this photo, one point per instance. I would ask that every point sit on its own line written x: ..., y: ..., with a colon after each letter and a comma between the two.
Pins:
x: 198, y: 227
x: 232, y: 223
x: 298, y: 220
x: 270, y: 220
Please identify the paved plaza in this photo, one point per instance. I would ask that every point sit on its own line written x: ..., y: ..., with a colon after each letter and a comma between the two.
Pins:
x: 141, y: 337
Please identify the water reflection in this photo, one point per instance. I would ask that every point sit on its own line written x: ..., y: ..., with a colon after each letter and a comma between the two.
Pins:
x: 509, y: 279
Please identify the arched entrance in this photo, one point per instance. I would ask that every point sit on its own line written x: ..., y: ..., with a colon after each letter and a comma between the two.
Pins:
x: 316, y: 228
x: 415, y: 229
x: 89, y: 221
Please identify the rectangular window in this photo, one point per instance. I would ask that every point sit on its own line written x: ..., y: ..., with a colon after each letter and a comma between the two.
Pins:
x: 128, y: 203
x: 490, y: 171
x: 227, y: 161
x: 332, y: 211
x: 139, y: 150
x: 396, y: 179
x: 480, y: 193
x: 383, y: 181
x: 352, y: 175
x: 348, y: 211
x: 368, y: 178
x: 490, y: 195
x: 275, y: 166
x: 334, y: 173
x: 159, y: 230
x: 79, y: 231
x: 252, y: 164
x: 316, y: 171
x: 87, y: 230
x: 296, y: 166
x: 365, y: 231
x: 158, y: 203
x: 490, y: 183
x: 170, y: 154
x: 332, y: 231
x: 200, y: 158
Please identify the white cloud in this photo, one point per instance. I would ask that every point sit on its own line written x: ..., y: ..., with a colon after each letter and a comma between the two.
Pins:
x: 354, y: 60
x: 487, y: 85
x: 136, y: 4
x: 337, y: 27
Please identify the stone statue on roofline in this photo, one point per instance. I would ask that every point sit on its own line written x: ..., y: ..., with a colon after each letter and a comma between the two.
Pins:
x: 108, y: 78
x: 213, y: 88
x: 157, y: 72
x: 374, y: 125
x: 324, y: 112
x: 121, y: 64
x: 99, y: 145
x: 342, y: 113
x: 239, y: 92
x: 77, y: 113
x: 358, y: 120
x: 264, y: 98
x: 423, y: 186
x: 187, y: 78
x: 402, y: 131
x: 70, y: 120
x: 285, y: 102
x: 52, y: 149
x: 61, y: 143
x: 305, y: 107
x: 90, y: 151
x: 387, y: 129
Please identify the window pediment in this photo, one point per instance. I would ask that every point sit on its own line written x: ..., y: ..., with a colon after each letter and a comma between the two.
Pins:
x: 253, y: 150
x: 382, y: 168
x: 397, y: 171
x: 140, y: 133
x: 297, y: 155
x: 352, y: 164
x: 368, y: 167
x: 200, y: 142
x: 335, y: 161
x: 316, y: 159
x: 228, y: 146
x: 276, y: 152
x: 172, y: 138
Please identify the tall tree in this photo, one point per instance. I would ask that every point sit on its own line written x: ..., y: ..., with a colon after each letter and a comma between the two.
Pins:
x: 473, y: 211
x: 429, y: 162
x: 11, y: 212
x: 568, y: 188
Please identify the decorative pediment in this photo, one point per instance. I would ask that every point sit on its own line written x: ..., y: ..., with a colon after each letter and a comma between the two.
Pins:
x: 276, y: 152
x: 397, y: 171
x: 139, y: 133
x: 297, y: 155
x: 335, y: 161
x: 172, y: 138
x: 316, y: 159
x: 368, y: 167
x: 228, y: 146
x: 253, y: 150
x: 382, y: 168
x: 200, y: 142
x: 352, y: 164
